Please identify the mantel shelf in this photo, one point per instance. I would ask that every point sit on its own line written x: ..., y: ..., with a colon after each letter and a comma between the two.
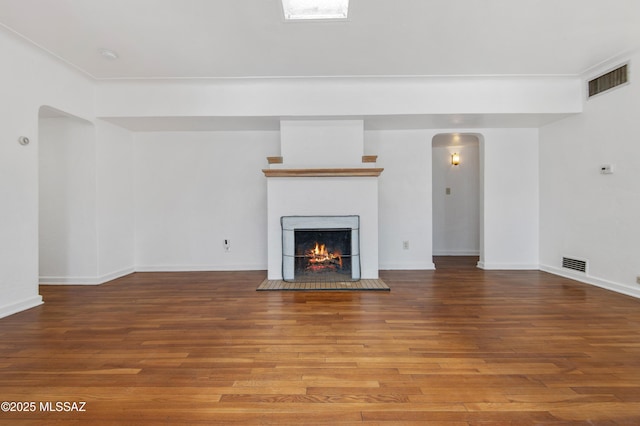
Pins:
x: 349, y: 172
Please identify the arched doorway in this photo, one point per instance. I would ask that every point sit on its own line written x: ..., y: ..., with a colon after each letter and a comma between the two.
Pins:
x: 456, y: 197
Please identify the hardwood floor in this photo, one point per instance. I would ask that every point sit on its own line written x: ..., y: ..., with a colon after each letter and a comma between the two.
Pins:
x: 456, y: 346
x: 455, y: 262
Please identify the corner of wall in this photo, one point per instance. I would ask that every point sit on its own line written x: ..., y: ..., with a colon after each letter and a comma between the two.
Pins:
x: 19, y: 306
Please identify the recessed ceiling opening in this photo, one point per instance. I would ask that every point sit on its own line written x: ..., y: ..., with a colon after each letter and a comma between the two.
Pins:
x: 295, y: 10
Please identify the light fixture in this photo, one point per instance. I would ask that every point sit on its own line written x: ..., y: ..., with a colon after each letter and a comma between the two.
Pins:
x: 315, y: 9
x: 455, y: 158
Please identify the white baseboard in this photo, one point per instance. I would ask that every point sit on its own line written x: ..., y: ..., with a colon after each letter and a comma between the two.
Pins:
x: 49, y: 280
x: 199, y: 268
x: 115, y: 275
x: 14, y: 308
x: 598, y: 282
x: 507, y: 266
x: 44, y: 280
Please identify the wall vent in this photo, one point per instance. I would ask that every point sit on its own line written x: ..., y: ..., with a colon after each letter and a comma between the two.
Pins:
x: 609, y: 80
x: 574, y: 264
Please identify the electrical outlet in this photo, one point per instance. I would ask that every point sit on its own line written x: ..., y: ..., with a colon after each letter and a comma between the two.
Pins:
x: 405, y: 245
x: 447, y: 191
x: 227, y: 245
x: 638, y: 279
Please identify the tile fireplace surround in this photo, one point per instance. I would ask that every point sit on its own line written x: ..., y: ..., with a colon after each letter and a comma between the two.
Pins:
x: 345, y: 226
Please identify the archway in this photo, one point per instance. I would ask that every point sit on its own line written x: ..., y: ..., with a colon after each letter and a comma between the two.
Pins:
x: 457, y: 196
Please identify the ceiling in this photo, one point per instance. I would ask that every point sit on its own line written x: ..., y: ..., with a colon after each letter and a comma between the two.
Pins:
x: 194, y: 39
x: 454, y: 140
x: 249, y: 38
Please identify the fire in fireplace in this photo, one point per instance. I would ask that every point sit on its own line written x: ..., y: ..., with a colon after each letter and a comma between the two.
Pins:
x: 320, y: 248
x: 319, y: 258
x: 323, y: 254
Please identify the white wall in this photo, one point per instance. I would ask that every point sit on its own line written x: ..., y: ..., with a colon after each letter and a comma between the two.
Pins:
x: 67, y: 208
x: 86, y: 217
x: 321, y: 143
x: 510, y: 199
x: 195, y: 189
x: 115, y: 203
x: 456, y: 221
x: 584, y: 214
x: 28, y: 80
x: 404, y: 196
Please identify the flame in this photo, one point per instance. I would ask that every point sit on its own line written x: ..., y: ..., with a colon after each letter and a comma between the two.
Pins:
x: 320, y: 258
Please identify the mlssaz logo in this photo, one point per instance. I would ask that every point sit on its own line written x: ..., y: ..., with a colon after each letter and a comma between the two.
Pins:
x: 63, y: 406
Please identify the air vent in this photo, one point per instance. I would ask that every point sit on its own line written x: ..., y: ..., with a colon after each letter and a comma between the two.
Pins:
x: 574, y: 264
x: 609, y: 80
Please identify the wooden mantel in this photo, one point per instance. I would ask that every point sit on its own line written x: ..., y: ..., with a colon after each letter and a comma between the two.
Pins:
x: 324, y: 172
x: 348, y: 172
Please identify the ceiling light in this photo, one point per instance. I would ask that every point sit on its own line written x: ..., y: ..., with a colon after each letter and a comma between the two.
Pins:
x: 315, y: 9
x: 108, y: 54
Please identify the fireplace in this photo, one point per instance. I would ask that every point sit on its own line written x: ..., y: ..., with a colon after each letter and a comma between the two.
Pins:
x: 321, y: 181
x: 320, y: 248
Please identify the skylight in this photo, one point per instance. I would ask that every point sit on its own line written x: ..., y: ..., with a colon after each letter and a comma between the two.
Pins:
x: 315, y: 9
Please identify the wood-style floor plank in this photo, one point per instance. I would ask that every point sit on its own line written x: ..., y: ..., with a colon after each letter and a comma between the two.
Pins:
x: 455, y: 346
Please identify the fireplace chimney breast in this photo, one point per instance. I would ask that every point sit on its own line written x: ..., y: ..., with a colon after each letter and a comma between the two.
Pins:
x: 322, y: 143
x: 321, y: 171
